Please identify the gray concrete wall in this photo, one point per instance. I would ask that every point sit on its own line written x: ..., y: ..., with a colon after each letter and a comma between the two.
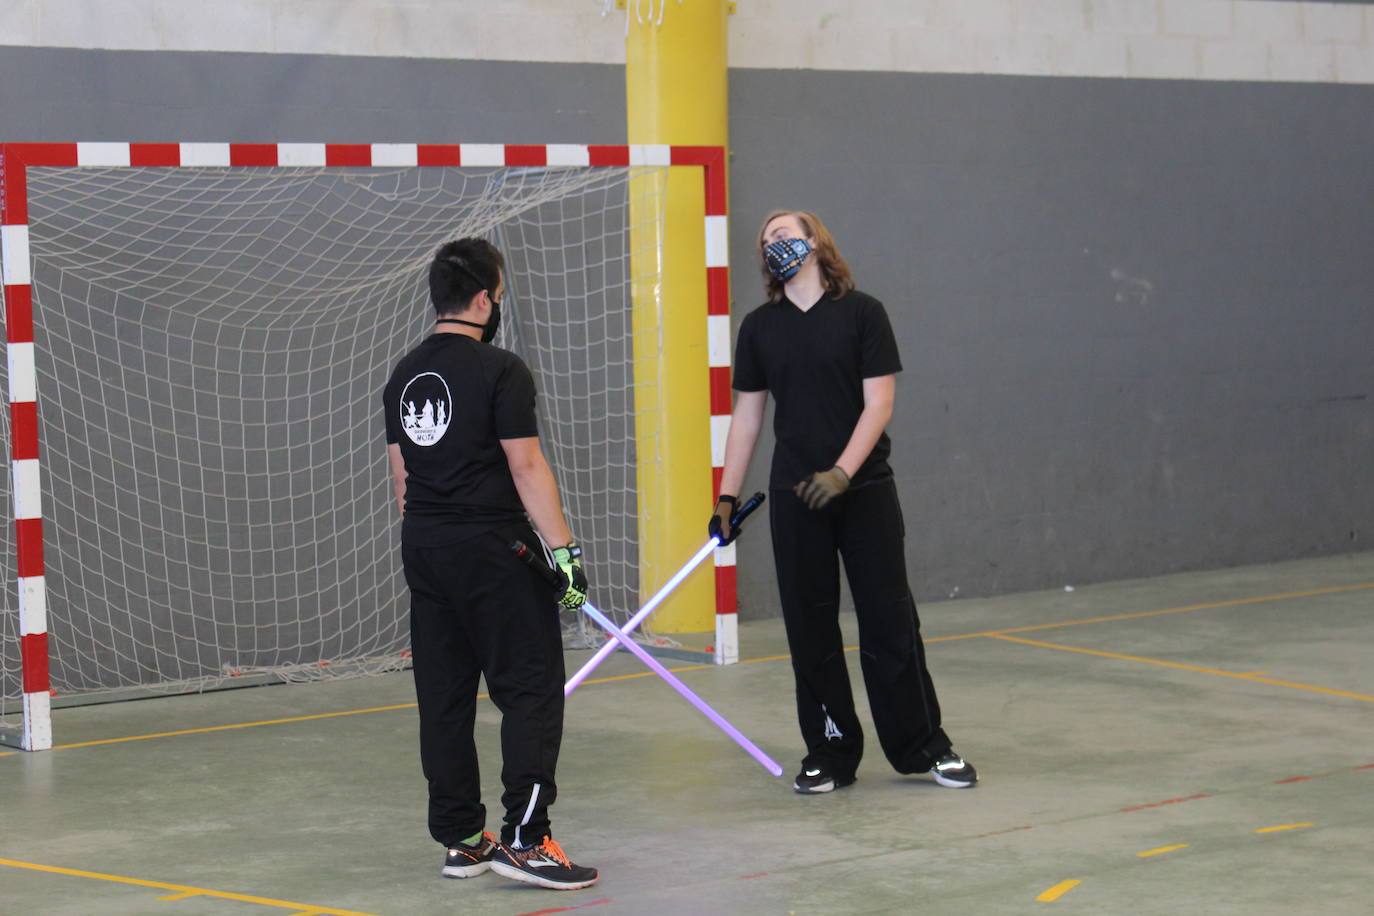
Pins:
x: 62, y: 94
x: 1135, y: 314
x: 1137, y: 317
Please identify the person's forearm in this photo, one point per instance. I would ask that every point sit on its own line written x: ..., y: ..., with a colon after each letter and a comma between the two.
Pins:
x: 739, y: 448
x: 398, y: 477
x: 539, y: 492
x: 866, y: 433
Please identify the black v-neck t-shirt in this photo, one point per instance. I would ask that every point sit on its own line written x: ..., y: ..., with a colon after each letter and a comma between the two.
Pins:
x: 813, y: 363
x: 448, y: 404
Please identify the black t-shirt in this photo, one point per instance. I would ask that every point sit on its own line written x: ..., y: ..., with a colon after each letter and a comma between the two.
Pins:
x: 814, y: 362
x: 448, y: 404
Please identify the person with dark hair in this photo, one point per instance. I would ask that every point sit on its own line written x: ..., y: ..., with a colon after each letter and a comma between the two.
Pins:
x: 470, y: 478
x: 827, y: 354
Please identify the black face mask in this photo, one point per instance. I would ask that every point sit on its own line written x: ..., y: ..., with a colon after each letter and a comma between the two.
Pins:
x: 489, y: 329
x: 493, y: 323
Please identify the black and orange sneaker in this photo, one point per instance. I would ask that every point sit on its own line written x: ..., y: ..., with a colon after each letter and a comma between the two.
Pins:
x: 545, y: 864
x: 464, y: 861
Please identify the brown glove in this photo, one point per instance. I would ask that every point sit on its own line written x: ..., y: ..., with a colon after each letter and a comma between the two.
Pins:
x: 821, y: 487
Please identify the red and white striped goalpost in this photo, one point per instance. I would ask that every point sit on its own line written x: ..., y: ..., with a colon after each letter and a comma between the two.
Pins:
x: 16, y: 268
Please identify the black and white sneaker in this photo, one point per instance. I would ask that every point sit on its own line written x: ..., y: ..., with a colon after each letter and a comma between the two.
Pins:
x: 464, y: 861
x: 546, y: 865
x: 815, y: 780
x: 953, y: 772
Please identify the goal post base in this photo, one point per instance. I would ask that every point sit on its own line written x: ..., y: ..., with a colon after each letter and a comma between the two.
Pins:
x: 11, y: 736
x: 35, y: 733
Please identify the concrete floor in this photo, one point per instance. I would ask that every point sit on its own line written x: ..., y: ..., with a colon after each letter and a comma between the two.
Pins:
x: 1199, y: 743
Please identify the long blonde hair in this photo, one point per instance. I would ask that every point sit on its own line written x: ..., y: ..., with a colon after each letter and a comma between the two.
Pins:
x: 834, y: 269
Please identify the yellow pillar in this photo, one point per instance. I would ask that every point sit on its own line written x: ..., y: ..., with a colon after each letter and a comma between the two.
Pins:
x: 675, y: 90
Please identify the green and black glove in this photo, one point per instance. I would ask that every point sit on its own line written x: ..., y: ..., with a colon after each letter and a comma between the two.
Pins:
x: 821, y: 487
x: 568, y: 559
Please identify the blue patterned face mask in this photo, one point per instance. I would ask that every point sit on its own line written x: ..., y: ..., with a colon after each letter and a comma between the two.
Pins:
x: 785, y: 258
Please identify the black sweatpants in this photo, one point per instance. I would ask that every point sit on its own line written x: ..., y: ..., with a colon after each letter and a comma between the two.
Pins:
x: 864, y: 527
x: 478, y: 610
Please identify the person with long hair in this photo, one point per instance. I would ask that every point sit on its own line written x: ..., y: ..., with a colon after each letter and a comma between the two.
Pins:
x: 826, y: 353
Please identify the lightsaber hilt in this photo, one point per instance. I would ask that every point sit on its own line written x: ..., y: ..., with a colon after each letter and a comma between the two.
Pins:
x: 744, y: 510
x: 557, y: 581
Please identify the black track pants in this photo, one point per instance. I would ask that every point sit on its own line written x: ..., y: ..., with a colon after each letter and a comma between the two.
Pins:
x: 477, y: 610
x: 864, y: 527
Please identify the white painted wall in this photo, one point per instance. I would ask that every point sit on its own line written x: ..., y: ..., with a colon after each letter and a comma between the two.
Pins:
x: 1167, y: 39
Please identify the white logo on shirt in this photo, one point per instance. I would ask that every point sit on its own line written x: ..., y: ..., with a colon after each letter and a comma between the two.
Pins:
x: 426, y: 408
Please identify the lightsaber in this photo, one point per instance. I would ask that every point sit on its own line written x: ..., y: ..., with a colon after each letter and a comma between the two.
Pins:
x: 555, y: 578
x: 768, y: 763
x: 609, y: 646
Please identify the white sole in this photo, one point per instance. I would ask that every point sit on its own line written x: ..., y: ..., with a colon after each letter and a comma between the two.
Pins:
x: 516, y: 874
x: 951, y: 783
x: 465, y: 871
x: 815, y: 790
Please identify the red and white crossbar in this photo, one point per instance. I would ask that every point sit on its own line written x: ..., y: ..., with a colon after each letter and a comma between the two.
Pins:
x: 16, y: 266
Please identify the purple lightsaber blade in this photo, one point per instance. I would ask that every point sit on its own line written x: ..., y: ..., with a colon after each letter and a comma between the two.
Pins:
x: 736, y: 519
x: 768, y: 763
x: 609, y: 646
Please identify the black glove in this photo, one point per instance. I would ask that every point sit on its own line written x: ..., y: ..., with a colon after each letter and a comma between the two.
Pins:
x: 568, y: 560
x: 719, y: 526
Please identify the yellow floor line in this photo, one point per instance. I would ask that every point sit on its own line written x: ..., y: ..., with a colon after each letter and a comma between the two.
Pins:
x: 183, y: 890
x: 316, y: 716
x: 1059, y: 890
x: 773, y: 658
x: 646, y: 673
x: 324, y: 715
x: 221, y: 728
x: 1135, y: 615
x: 1155, y: 852
x: 1213, y: 671
x: 1283, y: 827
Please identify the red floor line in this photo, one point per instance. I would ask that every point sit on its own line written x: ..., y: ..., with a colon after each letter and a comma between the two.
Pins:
x: 1367, y: 766
x: 1170, y: 801
x: 564, y: 909
x: 1000, y: 832
x: 1174, y: 801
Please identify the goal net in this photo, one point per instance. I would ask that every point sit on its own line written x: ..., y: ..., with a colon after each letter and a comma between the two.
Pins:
x: 211, y: 347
